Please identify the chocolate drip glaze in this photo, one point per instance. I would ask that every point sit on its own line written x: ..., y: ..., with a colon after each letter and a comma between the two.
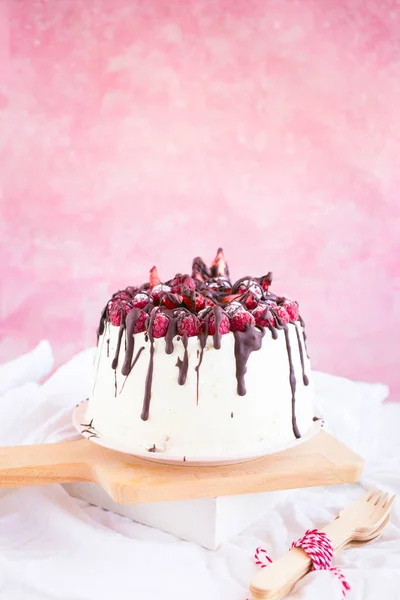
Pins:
x: 305, y: 378
x: 100, y: 329
x: 115, y: 384
x: 108, y: 347
x: 131, y: 321
x: 246, y: 342
x: 139, y: 352
x: 203, y: 340
x: 149, y: 376
x: 292, y: 379
x: 171, y: 332
x: 183, y: 365
x: 114, y: 363
x: 217, y: 310
x: 301, y: 320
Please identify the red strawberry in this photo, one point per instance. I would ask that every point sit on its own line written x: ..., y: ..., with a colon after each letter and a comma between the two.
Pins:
x: 116, y: 308
x: 172, y: 300
x: 140, y: 300
x: 250, y: 301
x: 219, y: 265
x: 160, y: 325
x: 158, y: 291
x: 281, y: 313
x: 230, y: 298
x: 224, y: 326
x: 292, y: 310
x: 266, y: 281
x: 241, y: 320
x: 200, y: 302
x: 154, y: 278
x: 189, y: 325
x: 261, y: 315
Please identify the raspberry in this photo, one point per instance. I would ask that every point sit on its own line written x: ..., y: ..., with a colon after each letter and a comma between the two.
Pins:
x: 224, y: 326
x: 282, y: 314
x: 266, y: 281
x: 172, y: 300
x: 158, y: 291
x: 262, y: 318
x: 241, y: 320
x: 189, y: 325
x: 154, y: 278
x: 160, y: 325
x: 140, y: 300
x: 115, y: 310
x: 219, y: 266
x: 292, y: 310
x: 141, y: 322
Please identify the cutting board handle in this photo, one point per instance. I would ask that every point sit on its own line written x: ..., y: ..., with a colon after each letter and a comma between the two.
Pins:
x: 61, y: 462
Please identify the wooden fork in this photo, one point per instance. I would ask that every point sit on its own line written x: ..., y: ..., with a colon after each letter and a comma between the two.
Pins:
x: 361, y: 522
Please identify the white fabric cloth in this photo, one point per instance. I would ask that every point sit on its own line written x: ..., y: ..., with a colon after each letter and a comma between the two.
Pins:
x: 55, y: 547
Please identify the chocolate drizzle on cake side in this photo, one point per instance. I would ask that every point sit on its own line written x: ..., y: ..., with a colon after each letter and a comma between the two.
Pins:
x: 204, y: 304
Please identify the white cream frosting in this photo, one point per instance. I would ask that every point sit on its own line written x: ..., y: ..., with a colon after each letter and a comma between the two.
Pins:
x: 217, y: 421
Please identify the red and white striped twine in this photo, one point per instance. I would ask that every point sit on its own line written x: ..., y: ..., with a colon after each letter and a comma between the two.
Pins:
x: 318, y: 547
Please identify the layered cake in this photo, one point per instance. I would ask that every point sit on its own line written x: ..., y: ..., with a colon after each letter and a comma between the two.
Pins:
x: 201, y: 366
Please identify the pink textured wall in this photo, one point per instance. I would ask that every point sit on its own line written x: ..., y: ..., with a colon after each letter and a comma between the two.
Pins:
x: 140, y: 132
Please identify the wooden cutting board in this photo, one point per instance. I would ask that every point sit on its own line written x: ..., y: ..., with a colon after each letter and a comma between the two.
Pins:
x: 322, y: 460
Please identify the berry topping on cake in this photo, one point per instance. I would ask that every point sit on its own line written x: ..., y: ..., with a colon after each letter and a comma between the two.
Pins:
x: 187, y: 304
x: 189, y: 325
x: 160, y: 324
